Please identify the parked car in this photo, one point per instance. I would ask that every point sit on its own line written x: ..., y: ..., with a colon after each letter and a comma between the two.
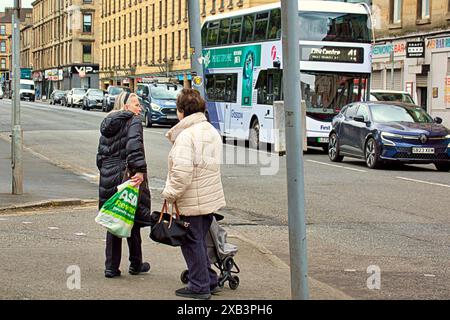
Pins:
x: 110, y: 97
x: 56, y: 97
x: 93, y: 99
x: 75, y: 97
x: 26, y: 91
x: 1, y: 93
x: 391, y: 95
x: 161, y: 98
x: 380, y: 132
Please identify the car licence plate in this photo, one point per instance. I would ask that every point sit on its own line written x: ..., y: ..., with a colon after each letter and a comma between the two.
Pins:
x: 423, y: 150
x: 322, y: 140
x: 172, y: 116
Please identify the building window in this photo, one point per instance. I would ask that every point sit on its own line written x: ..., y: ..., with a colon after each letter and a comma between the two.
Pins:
x: 87, y: 53
x: 423, y: 9
x: 87, y: 23
x: 179, y: 45
x: 146, y: 19
x: 160, y: 48
x: 3, y: 63
x: 160, y: 15
x: 395, y: 11
x: 186, y: 43
x: 2, y: 30
x: 153, y: 17
x: 153, y: 50
x: 173, y: 46
x: 2, y: 46
x: 146, y: 51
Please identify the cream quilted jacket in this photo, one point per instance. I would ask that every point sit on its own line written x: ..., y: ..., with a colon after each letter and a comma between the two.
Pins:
x: 194, y: 180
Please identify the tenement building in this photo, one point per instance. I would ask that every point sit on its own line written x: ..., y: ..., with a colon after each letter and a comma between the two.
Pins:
x: 148, y: 38
x: 65, y: 50
x: 412, y: 51
x: 5, y: 45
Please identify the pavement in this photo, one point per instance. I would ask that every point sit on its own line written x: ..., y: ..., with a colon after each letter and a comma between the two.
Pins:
x: 48, y: 235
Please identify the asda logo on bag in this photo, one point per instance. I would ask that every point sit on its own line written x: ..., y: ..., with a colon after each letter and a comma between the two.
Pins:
x: 129, y: 197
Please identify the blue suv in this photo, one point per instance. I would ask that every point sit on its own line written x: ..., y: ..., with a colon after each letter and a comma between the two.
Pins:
x: 380, y: 132
x: 159, y: 102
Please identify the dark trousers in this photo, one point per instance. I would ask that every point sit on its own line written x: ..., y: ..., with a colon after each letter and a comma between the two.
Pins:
x: 114, y: 249
x: 201, y: 276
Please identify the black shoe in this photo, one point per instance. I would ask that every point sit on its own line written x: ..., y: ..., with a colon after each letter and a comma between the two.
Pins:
x: 112, y: 273
x: 185, y: 292
x: 215, y: 290
x: 145, y: 267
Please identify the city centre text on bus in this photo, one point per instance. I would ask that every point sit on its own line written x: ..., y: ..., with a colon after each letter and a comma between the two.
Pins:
x: 243, y: 66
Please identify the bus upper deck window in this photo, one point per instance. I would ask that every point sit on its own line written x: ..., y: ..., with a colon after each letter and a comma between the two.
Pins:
x: 224, y: 31
x: 247, y: 28
x: 235, y: 31
x: 275, y: 25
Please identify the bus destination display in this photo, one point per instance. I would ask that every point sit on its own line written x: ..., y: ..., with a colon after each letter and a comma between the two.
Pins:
x: 332, y: 54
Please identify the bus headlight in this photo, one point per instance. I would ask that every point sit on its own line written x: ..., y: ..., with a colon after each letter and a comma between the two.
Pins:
x: 155, y: 107
x: 448, y: 137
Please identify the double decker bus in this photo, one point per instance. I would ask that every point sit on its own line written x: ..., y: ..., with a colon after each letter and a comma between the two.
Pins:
x: 243, y: 66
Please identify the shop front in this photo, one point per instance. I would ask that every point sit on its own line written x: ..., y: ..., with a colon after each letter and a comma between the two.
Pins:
x: 81, y: 76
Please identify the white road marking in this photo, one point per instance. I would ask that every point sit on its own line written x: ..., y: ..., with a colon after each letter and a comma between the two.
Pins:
x: 336, y: 166
x: 425, y: 182
x: 157, y: 132
x: 3, y: 219
x: 349, y: 270
x: 27, y: 222
x: 429, y: 275
x: 53, y: 228
x: 80, y: 234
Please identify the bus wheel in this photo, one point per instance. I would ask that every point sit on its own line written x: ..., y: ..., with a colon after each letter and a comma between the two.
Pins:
x: 253, y: 138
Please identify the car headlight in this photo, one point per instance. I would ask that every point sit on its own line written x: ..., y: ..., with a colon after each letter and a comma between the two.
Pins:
x: 447, y: 136
x: 155, y: 107
x: 391, y: 135
x: 385, y: 138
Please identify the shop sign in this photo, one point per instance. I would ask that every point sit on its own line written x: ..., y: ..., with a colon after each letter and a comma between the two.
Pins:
x: 83, y: 70
x: 415, y: 49
x: 386, y: 49
x: 126, y: 80
x: 447, y: 90
x: 52, y: 75
x: 438, y: 43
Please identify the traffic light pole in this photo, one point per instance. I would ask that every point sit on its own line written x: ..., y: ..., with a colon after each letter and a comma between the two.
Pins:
x: 294, y: 150
x: 16, y: 134
x: 195, y: 36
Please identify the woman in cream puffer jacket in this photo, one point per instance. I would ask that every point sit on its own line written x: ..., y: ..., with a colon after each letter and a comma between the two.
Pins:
x: 195, y: 184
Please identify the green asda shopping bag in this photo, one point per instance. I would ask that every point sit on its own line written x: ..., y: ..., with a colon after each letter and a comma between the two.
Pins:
x: 117, y: 214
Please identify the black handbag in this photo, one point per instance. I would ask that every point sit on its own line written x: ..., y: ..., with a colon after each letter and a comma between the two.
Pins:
x: 169, y: 230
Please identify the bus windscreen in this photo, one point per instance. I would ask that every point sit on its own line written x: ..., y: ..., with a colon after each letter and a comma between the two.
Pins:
x: 326, y: 93
x: 328, y: 26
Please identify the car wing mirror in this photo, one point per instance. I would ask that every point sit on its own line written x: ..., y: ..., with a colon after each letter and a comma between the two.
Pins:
x: 438, y: 120
x: 359, y: 119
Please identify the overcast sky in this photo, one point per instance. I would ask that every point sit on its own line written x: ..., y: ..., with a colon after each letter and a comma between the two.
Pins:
x: 10, y: 3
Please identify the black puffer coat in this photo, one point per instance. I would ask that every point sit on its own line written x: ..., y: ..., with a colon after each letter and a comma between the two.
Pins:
x: 121, y: 145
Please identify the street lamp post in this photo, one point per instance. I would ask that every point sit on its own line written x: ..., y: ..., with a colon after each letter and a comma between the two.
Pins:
x: 196, y: 45
x: 16, y: 134
x: 294, y: 150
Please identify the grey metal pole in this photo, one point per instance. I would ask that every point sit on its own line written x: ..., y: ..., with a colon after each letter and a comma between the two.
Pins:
x: 195, y: 35
x: 392, y: 67
x: 294, y: 152
x: 17, y: 138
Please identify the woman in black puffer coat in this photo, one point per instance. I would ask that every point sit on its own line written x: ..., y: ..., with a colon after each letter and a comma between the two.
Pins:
x: 120, y: 153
